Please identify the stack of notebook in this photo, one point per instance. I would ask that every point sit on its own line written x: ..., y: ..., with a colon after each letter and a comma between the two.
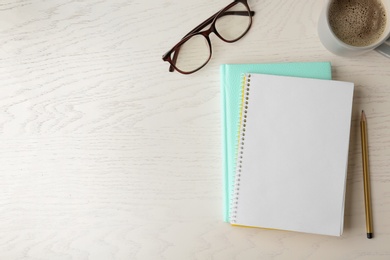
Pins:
x: 285, y: 146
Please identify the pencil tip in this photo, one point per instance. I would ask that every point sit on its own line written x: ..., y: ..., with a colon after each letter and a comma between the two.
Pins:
x: 363, y: 115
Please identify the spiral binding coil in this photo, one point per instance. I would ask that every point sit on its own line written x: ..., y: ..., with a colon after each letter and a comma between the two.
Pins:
x: 240, y: 151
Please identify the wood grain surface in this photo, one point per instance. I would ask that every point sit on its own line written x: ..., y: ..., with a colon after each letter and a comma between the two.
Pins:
x: 104, y: 154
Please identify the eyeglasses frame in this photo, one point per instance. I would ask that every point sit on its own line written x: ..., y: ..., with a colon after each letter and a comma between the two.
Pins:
x: 197, y: 31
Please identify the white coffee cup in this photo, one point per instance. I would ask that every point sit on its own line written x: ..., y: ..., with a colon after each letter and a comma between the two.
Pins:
x: 338, y: 47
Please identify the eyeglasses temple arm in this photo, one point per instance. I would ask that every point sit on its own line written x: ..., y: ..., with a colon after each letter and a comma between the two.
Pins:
x: 203, y: 25
x: 210, y: 19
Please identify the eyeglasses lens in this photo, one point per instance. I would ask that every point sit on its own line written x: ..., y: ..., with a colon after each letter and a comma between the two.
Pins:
x: 234, y: 22
x: 193, y: 53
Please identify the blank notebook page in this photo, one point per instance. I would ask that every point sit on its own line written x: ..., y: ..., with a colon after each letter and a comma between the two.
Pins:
x: 293, y: 154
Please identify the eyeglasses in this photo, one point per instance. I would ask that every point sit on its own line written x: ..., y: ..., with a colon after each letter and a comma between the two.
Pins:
x: 194, y: 51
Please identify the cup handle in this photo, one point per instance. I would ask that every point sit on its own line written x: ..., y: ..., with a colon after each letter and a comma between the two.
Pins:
x: 384, y: 48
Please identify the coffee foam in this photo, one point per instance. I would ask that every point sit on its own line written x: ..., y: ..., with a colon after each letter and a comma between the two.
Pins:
x: 357, y: 22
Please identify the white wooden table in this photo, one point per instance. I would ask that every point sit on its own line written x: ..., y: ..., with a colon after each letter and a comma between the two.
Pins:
x: 104, y: 154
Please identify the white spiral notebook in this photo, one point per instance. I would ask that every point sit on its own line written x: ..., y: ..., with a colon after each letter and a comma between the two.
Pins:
x: 292, y: 155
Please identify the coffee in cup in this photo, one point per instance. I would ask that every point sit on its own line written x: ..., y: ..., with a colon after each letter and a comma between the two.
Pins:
x: 353, y: 27
x: 357, y: 22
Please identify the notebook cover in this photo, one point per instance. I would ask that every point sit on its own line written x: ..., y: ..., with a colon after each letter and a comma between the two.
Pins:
x: 293, y: 154
x: 231, y: 75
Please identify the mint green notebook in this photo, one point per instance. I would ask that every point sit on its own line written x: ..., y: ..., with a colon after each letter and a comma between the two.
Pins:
x: 230, y: 95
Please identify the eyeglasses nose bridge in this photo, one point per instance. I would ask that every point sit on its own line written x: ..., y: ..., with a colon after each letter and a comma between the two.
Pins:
x: 206, y: 34
x: 212, y: 29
